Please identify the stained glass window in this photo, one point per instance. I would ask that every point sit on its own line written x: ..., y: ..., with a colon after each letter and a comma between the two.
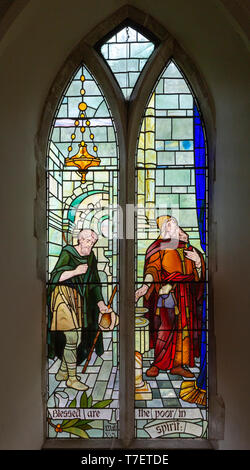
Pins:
x: 171, y: 264
x: 171, y: 255
x: 126, y: 53
x: 82, y: 265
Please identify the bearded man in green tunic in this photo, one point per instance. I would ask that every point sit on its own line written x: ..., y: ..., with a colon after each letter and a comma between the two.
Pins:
x: 75, y: 304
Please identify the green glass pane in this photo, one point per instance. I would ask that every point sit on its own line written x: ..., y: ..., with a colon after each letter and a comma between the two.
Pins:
x: 107, y: 149
x: 94, y: 102
x: 167, y: 101
x: 127, y: 51
x: 74, y: 88
x: 118, y: 51
x: 63, y: 111
x: 172, y: 71
x: 187, y: 200
x: 165, y: 158
x: 163, y: 128
x: 132, y: 79
x: 182, y: 128
x: 175, y: 85
x: 177, y: 177
x: 141, y: 50
x: 186, y: 101
x: 122, y: 79
x: 91, y: 88
x: 184, y: 158
x: 102, y: 110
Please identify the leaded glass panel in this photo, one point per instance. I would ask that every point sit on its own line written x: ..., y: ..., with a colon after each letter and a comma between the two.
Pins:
x: 171, y: 264
x: 126, y: 53
x: 83, y: 265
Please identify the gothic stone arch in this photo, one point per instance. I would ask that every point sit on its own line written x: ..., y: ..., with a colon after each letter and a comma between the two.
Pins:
x: 127, y: 116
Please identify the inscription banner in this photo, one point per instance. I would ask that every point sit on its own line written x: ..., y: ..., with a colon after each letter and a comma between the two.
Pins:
x: 168, y: 413
x: 81, y: 413
x: 166, y: 428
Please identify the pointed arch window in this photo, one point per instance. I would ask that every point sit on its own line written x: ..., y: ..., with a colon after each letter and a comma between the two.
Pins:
x: 126, y: 52
x: 134, y: 307
x: 82, y: 273
x: 170, y: 263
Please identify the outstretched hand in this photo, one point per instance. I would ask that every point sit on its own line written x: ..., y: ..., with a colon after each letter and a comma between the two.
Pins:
x: 141, y: 292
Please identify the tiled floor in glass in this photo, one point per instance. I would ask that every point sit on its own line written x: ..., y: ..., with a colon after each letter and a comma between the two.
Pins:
x: 102, y: 378
x: 165, y: 387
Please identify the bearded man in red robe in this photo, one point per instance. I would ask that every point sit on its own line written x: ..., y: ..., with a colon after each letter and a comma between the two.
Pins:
x: 174, y: 274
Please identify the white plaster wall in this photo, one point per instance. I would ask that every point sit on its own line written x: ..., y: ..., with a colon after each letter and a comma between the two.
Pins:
x: 31, y: 53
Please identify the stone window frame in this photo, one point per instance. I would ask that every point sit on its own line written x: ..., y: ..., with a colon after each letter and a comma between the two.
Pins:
x: 127, y: 116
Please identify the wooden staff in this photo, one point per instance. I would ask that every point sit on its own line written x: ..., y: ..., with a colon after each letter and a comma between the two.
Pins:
x: 97, y: 335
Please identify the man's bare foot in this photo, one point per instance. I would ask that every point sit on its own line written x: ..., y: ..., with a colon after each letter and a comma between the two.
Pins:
x: 180, y: 371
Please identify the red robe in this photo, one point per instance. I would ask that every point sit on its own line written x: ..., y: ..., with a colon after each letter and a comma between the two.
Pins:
x: 174, y: 332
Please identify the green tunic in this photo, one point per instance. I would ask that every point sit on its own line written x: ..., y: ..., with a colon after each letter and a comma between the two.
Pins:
x: 89, y: 287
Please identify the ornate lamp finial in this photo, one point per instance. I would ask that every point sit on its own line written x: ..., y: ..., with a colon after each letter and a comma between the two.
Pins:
x: 83, y: 160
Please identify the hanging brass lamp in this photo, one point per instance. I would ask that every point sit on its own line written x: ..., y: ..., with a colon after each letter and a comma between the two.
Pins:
x: 83, y: 160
